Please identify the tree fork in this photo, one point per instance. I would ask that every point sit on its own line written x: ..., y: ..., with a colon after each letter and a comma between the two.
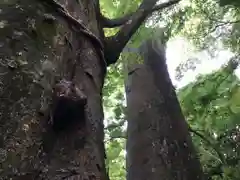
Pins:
x: 114, y: 45
x: 111, y: 23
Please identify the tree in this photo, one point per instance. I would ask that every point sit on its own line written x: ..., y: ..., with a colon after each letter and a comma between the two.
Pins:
x: 53, y: 63
x: 158, y: 141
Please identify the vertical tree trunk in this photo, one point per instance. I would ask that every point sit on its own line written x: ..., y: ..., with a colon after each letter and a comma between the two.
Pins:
x: 159, y: 145
x: 37, y: 48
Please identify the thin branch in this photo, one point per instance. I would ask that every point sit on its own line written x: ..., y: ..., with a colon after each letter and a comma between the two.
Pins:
x: 111, y: 23
x: 225, y: 22
x: 220, y: 23
x: 215, y: 171
x: 218, y: 171
x: 115, y: 125
x: 220, y: 155
x: 228, y: 132
x: 116, y: 137
x: 115, y: 44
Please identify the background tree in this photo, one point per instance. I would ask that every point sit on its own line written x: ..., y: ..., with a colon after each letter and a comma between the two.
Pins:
x: 158, y: 141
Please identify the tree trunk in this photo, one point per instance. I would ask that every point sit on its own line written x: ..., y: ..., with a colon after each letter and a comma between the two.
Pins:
x: 159, y: 145
x: 39, y: 48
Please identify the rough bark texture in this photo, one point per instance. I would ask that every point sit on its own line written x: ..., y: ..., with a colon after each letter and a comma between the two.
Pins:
x: 159, y: 145
x: 38, y: 48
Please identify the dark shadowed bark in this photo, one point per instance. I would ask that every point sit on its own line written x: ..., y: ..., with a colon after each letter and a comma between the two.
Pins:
x: 38, y: 49
x: 159, y: 145
x: 53, y: 57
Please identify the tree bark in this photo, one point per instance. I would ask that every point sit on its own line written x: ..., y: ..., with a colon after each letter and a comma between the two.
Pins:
x: 39, y: 48
x: 159, y: 145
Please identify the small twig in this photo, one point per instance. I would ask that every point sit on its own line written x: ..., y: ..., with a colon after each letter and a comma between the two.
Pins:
x: 220, y: 22
x: 116, y: 137
x: 220, y: 155
x: 115, y: 125
x: 111, y: 23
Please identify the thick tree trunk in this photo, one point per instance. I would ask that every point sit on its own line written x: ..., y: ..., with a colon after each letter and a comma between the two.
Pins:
x: 37, y: 48
x: 159, y: 145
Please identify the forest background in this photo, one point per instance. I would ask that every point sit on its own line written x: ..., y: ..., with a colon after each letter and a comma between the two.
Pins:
x: 204, y: 40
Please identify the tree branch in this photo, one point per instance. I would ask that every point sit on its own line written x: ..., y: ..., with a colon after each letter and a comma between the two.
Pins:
x: 115, y: 125
x: 111, y: 23
x: 123, y: 136
x: 115, y: 44
x: 218, y: 171
x: 220, y: 155
x: 219, y: 23
x: 215, y: 171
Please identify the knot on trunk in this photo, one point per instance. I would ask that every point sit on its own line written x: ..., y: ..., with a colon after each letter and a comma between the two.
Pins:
x: 68, y: 105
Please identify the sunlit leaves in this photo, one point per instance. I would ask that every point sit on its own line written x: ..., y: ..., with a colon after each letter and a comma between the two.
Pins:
x: 117, y: 8
x: 113, y: 101
x: 212, y: 92
x: 235, y: 100
x: 211, y: 106
x: 183, y: 67
x: 210, y: 24
x: 116, y: 159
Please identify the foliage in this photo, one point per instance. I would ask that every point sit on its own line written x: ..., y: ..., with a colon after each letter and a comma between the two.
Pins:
x: 113, y: 101
x: 116, y: 159
x: 211, y: 106
x: 210, y: 23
